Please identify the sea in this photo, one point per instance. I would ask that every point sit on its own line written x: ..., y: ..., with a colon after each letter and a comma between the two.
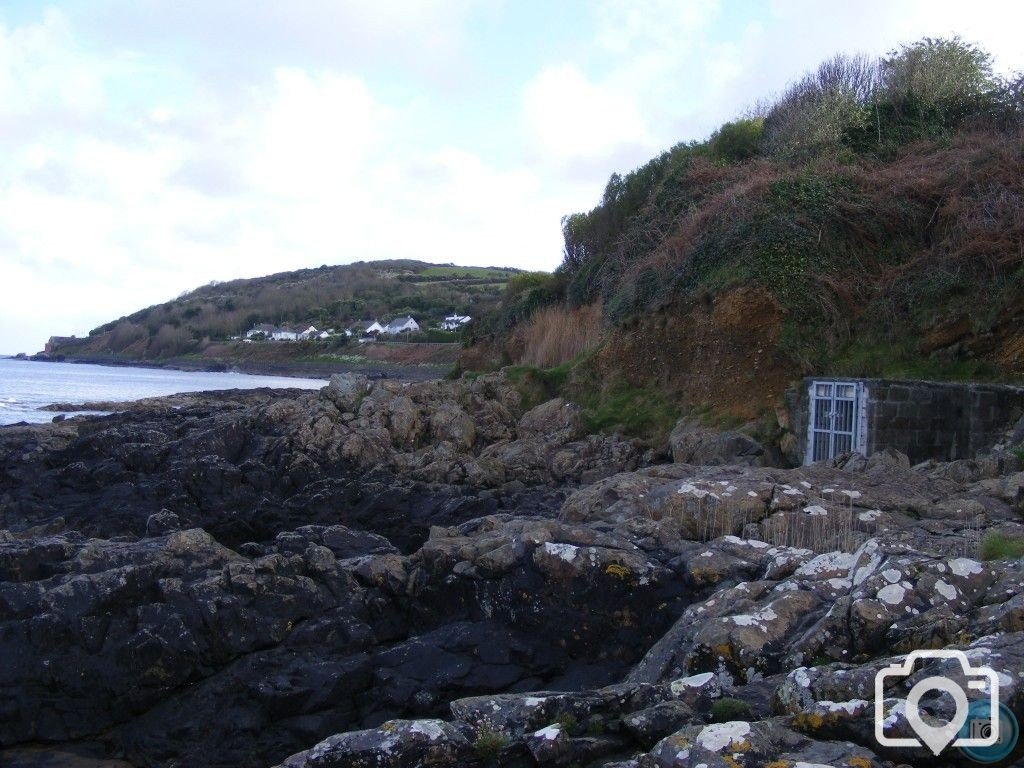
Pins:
x: 27, y: 385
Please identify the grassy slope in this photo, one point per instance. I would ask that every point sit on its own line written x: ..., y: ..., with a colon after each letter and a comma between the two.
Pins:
x: 196, y: 325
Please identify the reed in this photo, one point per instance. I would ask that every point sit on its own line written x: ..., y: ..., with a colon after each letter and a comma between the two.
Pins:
x: 556, y: 335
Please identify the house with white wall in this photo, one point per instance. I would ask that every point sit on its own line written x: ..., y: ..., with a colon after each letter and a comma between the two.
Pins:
x: 454, y: 322
x: 401, y: 325
x: 284, y: 334
x: 265, y: 328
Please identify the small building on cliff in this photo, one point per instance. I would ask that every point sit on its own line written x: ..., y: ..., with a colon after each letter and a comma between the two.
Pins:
x: 923, y: 419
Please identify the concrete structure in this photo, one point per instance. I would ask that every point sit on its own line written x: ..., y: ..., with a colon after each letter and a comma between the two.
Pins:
x: 923, y: 419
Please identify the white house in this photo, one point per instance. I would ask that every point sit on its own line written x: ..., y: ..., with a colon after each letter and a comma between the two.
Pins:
x: 369, y: 327
x: 454, y: 322
x: 284, y: 334
x: 309, y: 333
x: 401, y: 325
x: 265, y: 328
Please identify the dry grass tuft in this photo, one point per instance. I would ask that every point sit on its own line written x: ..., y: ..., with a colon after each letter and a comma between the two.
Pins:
x: 555, y: 335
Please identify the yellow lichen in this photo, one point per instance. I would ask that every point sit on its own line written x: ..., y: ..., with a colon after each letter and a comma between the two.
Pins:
x: 809, y: 721
x: 615, y: 569
x: 858, y: 762
x: 724, y: 650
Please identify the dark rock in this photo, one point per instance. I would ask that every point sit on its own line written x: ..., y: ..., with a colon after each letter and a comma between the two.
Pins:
x: 692, y: 443
x: 162, y: 522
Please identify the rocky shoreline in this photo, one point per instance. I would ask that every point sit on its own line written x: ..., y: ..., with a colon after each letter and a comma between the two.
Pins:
x: 404, y: 574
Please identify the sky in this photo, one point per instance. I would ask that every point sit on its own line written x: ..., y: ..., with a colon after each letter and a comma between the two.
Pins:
x: 153, y: 146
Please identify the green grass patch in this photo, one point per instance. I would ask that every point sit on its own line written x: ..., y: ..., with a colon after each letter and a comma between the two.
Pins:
x: 538, y: 385
x: 998, y: 546
x: 633, y: 411
x: 614, y: 407
x: 473, y: 272
x: 488, y: 744
x: 725, y: 710
x: 898, y: 360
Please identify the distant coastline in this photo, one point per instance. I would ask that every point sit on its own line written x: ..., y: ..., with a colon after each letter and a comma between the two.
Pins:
x: 312, y: 370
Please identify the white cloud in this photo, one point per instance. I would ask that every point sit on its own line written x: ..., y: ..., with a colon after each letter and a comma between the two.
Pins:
x: 151, y: 147
x: 306, y: 167
x: 571, y: 117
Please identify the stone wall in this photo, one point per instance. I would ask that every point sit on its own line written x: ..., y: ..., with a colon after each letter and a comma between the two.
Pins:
x: 926, y: 419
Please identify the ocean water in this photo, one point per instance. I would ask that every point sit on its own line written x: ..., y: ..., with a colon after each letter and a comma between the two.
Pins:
x: 26, y: 385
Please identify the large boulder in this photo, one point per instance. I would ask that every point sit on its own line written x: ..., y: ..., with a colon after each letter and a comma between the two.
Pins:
x: 692, y: 443
x: 345, y: 390
x: 557, y: 420
x: 395, y: 744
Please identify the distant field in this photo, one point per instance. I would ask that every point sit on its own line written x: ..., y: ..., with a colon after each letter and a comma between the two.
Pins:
x: 474, y: 272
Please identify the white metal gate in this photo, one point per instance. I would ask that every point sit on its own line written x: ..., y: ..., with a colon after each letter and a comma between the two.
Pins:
x: 837, y: 422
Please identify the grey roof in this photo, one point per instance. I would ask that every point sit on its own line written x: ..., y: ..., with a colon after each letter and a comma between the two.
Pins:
x: 398, y: 322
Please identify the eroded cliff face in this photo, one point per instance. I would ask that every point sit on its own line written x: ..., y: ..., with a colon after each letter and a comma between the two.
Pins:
x: 725, y: 354
x: 394, y: 575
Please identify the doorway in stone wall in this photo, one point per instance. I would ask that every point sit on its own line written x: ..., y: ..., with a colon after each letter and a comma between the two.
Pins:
x: 836, y: 424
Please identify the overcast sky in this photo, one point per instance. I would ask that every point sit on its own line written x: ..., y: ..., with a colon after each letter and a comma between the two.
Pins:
x: 151, y: 146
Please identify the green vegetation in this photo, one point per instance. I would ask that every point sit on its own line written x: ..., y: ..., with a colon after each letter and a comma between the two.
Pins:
x: 998, y: 546
x: 489, y: 744
x: 609, y: 407
x: 493, y: 273
x: 848, y: 199
x: 899, y: 360
x: 567, y: 722
x: 727, y: 709
x: 739, y: 140
x: 327, y: 297
x: 595, y: 726
x: 631, y: 411
x: 538, y: 385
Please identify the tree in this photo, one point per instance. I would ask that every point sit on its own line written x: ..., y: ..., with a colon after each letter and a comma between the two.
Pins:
x: 815, y: 113
x: 938, y: 71
x: 739, y: 140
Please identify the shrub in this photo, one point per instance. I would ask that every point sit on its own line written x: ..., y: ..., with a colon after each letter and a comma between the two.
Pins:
x: 739, y: 140
x: 488, y: 744
x: 942, y: 71
x: 998, y: 546
x: 816, y: 112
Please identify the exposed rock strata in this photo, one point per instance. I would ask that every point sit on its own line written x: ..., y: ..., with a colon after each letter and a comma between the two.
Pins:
x: 425, y: 575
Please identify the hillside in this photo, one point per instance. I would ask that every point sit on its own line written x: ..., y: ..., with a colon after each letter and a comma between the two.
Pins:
x: 203, y: 326
x: 870, y: 221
